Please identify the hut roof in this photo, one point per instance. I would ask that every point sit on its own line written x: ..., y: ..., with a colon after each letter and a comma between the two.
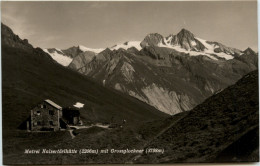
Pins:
x: 53, y: 104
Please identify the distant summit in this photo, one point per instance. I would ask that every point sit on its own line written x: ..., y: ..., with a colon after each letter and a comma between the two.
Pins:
x: 153, y: 39
x: 95, y: 50
x: 249, y: 51
x: 186, y: 42
x: 127, y: 45
x: 185, y: 39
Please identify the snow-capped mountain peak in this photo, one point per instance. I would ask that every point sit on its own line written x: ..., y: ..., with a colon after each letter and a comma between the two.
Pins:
x: 184, y: 42
x: 211, y: 50
x: 127, y: 45
x: 66, y: 56
x: 95, y: 50
x: 188, y: 43
x: 249, y: 51
x: 185, y: 34
x: 153, y: 39
x: 59, y: 56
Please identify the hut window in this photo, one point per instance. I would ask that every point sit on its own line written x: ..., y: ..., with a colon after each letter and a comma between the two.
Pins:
x: 38, y: 112
x: 51, y: 123
x: 51, y: 112
x: 44, y: 106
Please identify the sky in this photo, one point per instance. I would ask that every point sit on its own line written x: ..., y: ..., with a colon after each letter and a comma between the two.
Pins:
x: 104, y: 24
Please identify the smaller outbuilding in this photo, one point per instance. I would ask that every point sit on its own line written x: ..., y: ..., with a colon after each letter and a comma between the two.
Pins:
x: 71, y: 116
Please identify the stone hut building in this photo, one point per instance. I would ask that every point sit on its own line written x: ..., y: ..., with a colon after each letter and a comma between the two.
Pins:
x: 45, y: 117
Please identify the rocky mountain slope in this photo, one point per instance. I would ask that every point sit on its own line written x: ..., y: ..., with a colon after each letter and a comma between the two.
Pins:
x: 173, y: 73
x: 66, y: 56
x: 224, y: 128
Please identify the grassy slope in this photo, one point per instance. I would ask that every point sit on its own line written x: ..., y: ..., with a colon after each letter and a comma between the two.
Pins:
x: 223, y: 128
x: 28, y: 78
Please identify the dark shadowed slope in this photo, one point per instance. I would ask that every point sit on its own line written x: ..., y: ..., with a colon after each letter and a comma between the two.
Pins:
x: 224, y: 128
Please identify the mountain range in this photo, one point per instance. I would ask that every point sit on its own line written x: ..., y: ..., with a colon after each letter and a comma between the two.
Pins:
x: 172, y: 74
x: 222, y: 128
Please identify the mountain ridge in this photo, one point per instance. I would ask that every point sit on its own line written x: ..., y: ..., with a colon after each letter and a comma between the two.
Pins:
x: 184, y: 41
x: 137, y: 73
